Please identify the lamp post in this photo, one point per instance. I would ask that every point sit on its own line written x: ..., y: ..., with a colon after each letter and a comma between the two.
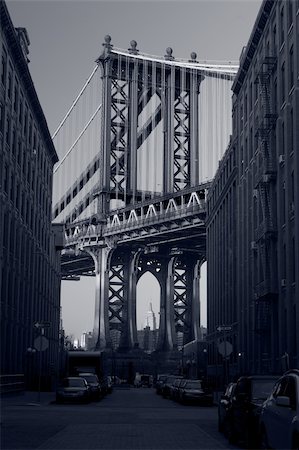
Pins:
x: 225, y: 348
x: 41, y: 343
x: 205, y: 362
x: 182, y: 360
x: 30, y: 352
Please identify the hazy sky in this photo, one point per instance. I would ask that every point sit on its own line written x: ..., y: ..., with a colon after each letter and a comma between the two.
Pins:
x: 66, y: 38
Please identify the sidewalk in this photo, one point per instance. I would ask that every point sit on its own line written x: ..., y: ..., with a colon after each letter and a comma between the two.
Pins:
x: 27, y: 398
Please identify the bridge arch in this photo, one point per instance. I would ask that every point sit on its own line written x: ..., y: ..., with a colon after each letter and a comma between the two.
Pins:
x: 148, y: 306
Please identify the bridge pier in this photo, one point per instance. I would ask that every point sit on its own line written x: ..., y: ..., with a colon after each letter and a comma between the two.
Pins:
x: 117, y: 276
x: 129, y: 332
x: 101, y: 256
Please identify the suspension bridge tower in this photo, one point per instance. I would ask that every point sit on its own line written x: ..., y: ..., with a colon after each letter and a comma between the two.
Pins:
x: 137, y: 204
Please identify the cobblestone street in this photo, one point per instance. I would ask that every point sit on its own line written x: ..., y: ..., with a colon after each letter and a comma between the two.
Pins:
x: 128, y: 419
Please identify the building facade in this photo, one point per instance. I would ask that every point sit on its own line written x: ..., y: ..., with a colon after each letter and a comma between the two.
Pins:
x: 260, y: 299
x: 29, y: 261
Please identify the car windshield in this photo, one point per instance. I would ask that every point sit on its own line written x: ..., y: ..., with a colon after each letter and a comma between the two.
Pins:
x: 193, y: 385
x: 90, y: 378
x: 162, y: 378
x: 261, y: 389
x: 170, y: 380
x: 73, y: 382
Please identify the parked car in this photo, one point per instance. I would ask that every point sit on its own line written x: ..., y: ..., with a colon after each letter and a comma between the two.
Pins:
x: 167, y: 385
x: 192, y: 391
x: 224, y: 409
x: 96, y: 390
x: 279, y: 420
x: 73, y: 389
x: 160, y: 383
x: 146, y: 380
x: 109, y: 384
x: 250, y: 393
x: 174, y: 388
x: 106, y: 384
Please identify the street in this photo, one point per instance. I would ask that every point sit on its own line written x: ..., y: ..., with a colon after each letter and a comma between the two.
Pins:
x: 128, y: 419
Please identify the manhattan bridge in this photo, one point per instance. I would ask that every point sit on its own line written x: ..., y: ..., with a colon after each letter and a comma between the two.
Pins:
x: 138, y: 150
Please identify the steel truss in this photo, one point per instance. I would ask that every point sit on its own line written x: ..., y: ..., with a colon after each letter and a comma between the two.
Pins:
x: 150, y: 232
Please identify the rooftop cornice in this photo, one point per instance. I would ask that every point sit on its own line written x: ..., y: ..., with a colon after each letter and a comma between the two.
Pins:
x: 253, y: 42
x: 22, y: 67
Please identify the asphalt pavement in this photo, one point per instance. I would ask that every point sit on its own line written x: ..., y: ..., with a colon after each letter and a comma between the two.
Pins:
x: 127, y: 419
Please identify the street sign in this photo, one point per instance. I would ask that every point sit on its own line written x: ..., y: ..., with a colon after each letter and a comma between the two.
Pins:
x: 224, y: 328
x: 41, y: 343
x: 42, y: 324
x: 225, y: 348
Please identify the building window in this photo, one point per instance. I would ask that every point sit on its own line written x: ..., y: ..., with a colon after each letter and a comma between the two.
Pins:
x: 3, y: 66
x: 1, y: 118
x: 282, y: 83
x: 293, y: 261
x: 5, y: 181
x: 282, y: 26
x: 12, y: 188
x: 283, y: 203
x: 24, y: 163
x: 291, y: 131
x: 30, y: 131
x: 274, y: 40
x: 7, y: 139
x: 21, y: 109
x: 250, y: 143
x: 25, y: 128
x: 9, y: 88
x: 290, y: 13
x: 242, y: 159
x: 292, y: 187
x: 14, y: 141
x: 256, y: 81
x: 18, y: 196
x: 291, y: 68
x: 275, y: 96
x: 282, y: 138
x: 241, y: 117
x: 16, y: 98
x: 19, y: 152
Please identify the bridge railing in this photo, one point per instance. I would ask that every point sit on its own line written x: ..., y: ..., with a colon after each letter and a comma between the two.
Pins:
x: 143, y: 221
x: 163, y: 210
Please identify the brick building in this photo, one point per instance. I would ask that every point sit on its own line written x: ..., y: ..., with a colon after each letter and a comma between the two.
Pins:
x: 253, y: 219
x: 29, y: 261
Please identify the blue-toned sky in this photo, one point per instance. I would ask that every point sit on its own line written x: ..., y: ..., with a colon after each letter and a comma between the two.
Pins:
x: 66, y: 38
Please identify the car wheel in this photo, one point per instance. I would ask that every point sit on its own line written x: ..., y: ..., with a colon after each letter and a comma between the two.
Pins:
x: 230, y: 432
x: 264, y: 439
x: 220, y: 424
x: 295, y: 442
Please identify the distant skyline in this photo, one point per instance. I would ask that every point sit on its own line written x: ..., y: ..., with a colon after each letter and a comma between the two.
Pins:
x: 66, y: 38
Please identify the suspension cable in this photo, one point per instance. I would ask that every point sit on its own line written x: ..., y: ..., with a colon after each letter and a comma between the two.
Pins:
x: 78, y: 138
x: 76, y: 100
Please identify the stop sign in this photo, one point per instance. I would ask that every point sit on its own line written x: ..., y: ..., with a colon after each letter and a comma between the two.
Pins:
x: 41, y: 343
x: 225, y: 348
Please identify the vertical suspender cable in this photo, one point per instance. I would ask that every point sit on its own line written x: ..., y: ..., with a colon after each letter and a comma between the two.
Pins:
x: 148, y: 166
x: 127, y: 130
x: 155, y: 126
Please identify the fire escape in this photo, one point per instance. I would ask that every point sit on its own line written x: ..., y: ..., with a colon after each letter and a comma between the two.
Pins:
x: 266, y: 289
